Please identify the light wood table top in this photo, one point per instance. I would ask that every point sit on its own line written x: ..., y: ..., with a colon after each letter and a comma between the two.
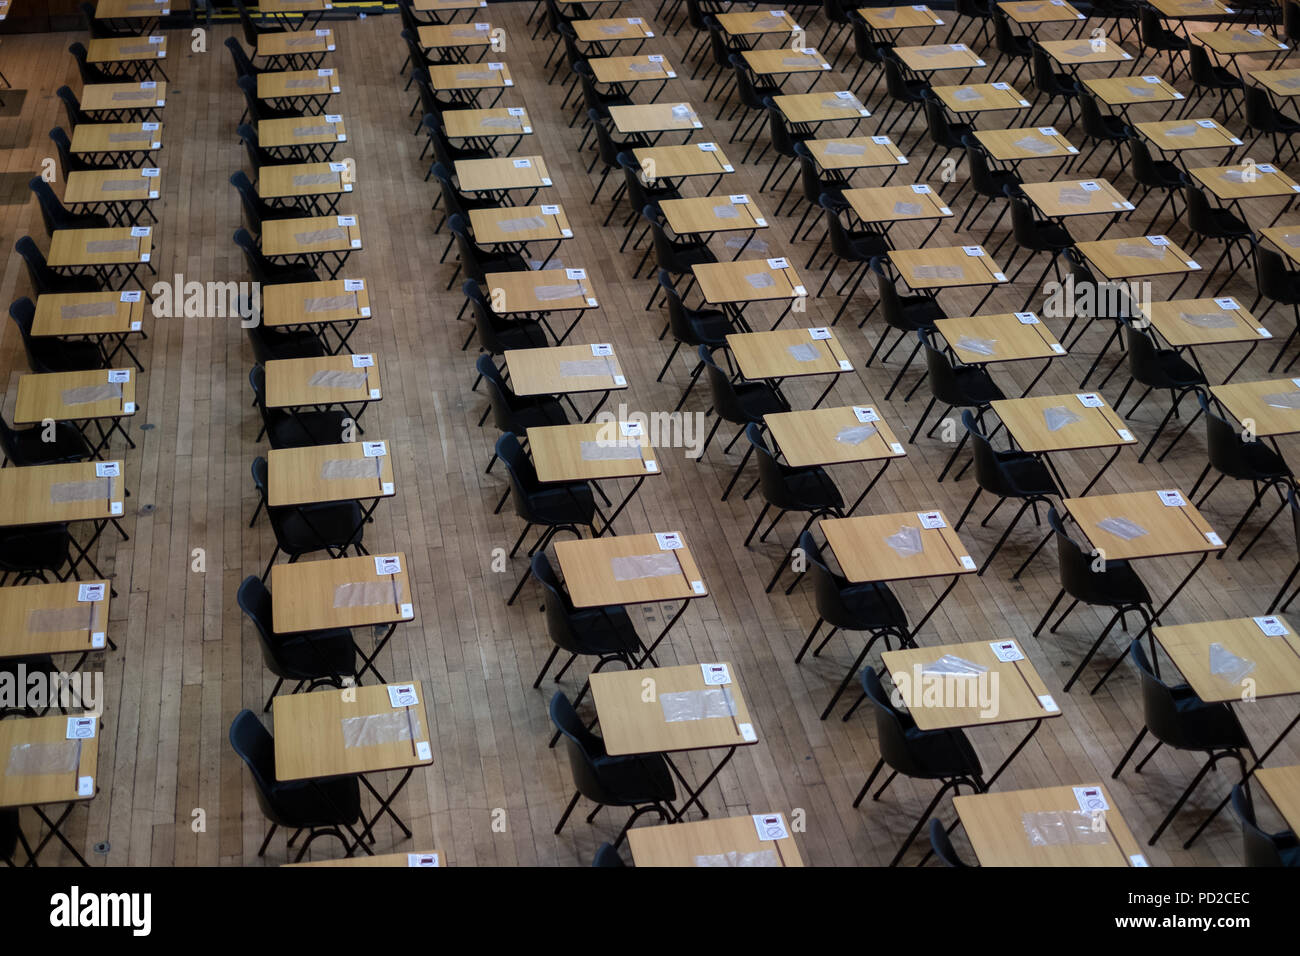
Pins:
x: 756, y: 22
x: 302, y: 130
x: 1236, y: 42
x: 430, y: 859
x: 44, y: 744
x: 597, y: 573
x: 980, y: 97
x: 492, y: 75
x: 1191, y: 9
x: 75, y: 396
x: 1285, y: 238
x: 51, y: 494
x: 88, y: 313
x: 1002, y: 337
x: 127, y: 49
x: 627, y: 70
x: 1097, y: 426
x: 1276, y: 658
x: 1272, y: 406
x: 1282, y: 784
x: 1283, y: 82
x: 92, y: 138
x: 1191, y: 322
x: 748, y: 280
x: 1247, y: 181
x: 1080, y: 50
x: 295, y: 43
x: 689, y: 159
x: 503, y: 121
x: 698, y: 215
x: 52, y: 618
x: 995, y: 824
x: 1027, y: 12
x: 442, y: 36
x: 144, y: 95
x: 87, y: 247
x: 293, y: 237
x: 137, y: 9
x: 501, y: 173
x: 936, y: 57
x: 612, y: 29
x: 281, y: 84
x: 1027, y: 142
x: 447, y: 6
x: 541, y: 290
x: 319, y: 473
x: 329, y: 733
x: 1137, y: 257
x: 304, y: 179
x: 631, y: 725
x: 326, y: 380
x: 788, y: 353
x: 112, y: 186
x: 881, y: 204
x: 654, y: 118
x: 811, y: 436
x: 1011, y: 691
x: 683, y: 844
x: 860, y: 545
x: 782, y: 61
x: 1076, y: 197
x: 943, y: 267
x: 1170, y: 530
x: 294, y: 6
x: 899, y: 18
x: 307, y: 592
x: 825, y: 107
x: 509, y: 224
x: 856, y: 152
x: 298, y: 303
x: 1173, y: 136
x: 563, y: 369
x: 1128, y: 90
x: 588, y: 452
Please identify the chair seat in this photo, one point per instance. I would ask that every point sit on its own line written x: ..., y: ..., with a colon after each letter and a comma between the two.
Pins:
x: 687, y: 254
x: 274, y: 212
x: 872, y: 606
x: 89, y: 220
x: 809, y: 489
x: 316, y: 655
x: 1117, y: 585
x: 1261, y: 463
x: 1051, y: 237
x: 957, y: 133
x: 502, y: 262
x: 519, y: 334
x: 316, y: 803
x: 710, y: 326
x: 1029, y: 475
x: 628, y: 781
x: 1205, y: 726
x: 1177, y: 371
x: 606, y: 630
x: 68, y: 446
x: 534, y: 413
x: 758, y: 399
x: 271, y: 345
x: 86, y: 283
x: 306, y: 428
x: 976, y: 386
x: 920, y: 312
x: 867, y: 245
x: 567, y: 503
x: 315, y: 527
x: 36, y: 548
x: 1168, y: 175
x: 1223, y: 224
x: 1222, y: 79
x: 941, y: 753
x: 278, y: 274
x: 65, y: 355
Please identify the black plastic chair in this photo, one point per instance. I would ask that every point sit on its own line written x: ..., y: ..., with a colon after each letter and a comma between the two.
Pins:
x: 254, y: 28
x: 46, y: 281
x: 27, y: 446
x: 259, y: 109
x: 257, y: 210
x: 1154, y: 39
x: 642, y: 782
x: 497, y: 335
x: 1152, y: 174
x: 943, y: 755
x: 1293, y: 505
x: 1260, y: 847
x: 990, y: 184
x: 57, y: 216
x: 750, y: 94
x: 332, y: 527
x: 607, y: 150
x: 89, y: 72
x: 1158, y: 368
x: 70, y: 162
x: 47, y: 353
x: 1033, y: 235
x: 305, y: 427
x: 870, y: 607
x: 1264, y: 119
x: 312, y: 659
x: 858, y: 249
x: 870, y: 53
x: 11, y: 835
x: 606, y: 856
x: 1208, y: 78
x: 1176, y: 717
x: 1280, y: 285
x: 904, y: 93
x: 812, y: 186
x: 72, y: 108
x: 476, y: 261
x: 739, y: 403
x: 512, y: 413
x: 692, y: 328
x: 1094, y: 580
x: 953, y: 386
x: 1052, y: 87
x: 1014, y: 49
x: 325, y: 807
x: 943, y: 133
x: 905, y: 314
x: 31, y: 552
x: 675, y: 255
x: 940, y: 842
x: 1208, y: 222
x: 101, y: 29
x: 1100, y: 129
x: 259, y: 156
x: 270, y: 345
x: 783, y: 139
x: 639, y: 195
x: 265, y: 271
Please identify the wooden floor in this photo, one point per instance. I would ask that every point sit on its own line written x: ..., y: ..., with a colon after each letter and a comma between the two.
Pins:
x: 171, y: 789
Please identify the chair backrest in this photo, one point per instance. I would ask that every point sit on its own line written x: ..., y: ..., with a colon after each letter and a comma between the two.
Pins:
x: 1260, y: 847
x: 1260, y: 114
x: 72, y: 107
x: 248, y: 86
x: 637, y: 196
x: 255, y: 210
x: 1044, y: 76
x: 1201, y: 69
x: 43, y: 278
x: 585, y: 749
x: 725, y: 401
x: 451, y: 197
x: 943, y: 379
x: 523, y: 476
x: 484, y: 319
x: 1170, y: 712
x: 937, y: 127
x: 1273, y: 277
x: 989, y: 471
x: 982, y: 179
x: 679, y: 322
x: 559, y: 608
x: 771, y: 473
x: 1144, y: 356
x: 606, y: 855
x: 841, y: 242
x: 782, y: 141
x: 53, y: 213
x: 895, y: 83
x: 67, y: 159
x: 255, y: 746
x: 744, y: 83
x: 1224, y: 444
x: 468, y: 250
x: 243, y: 65
x: 605, y: 146
x: 1074, y: 565
x: 251, y: 28
x: 255, y: 601
x: 1144, y: 164
x: 892, y: 726
x: 1094, y: 121
x: 940, y: 842
x: 89, y: 72
x: 1023, y: 225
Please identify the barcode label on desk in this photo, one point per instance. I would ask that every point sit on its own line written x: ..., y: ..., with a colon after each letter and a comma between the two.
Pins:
x: 374, y: 449
x: 1027, y: 318
x: 799, y: 290
x: 375, y: 394
x: 128, y: 408
x: 90, y: 592
x: 865, y: 413
x: 136, y: 326
x: 747, y: 733
x: 1124, y: 434
x: 108, y: 469
x: 1271, y: 626
x: 549, y: 209
x: 98, y: 640
x: 629, y: 429
x: 601, y: 348
x: 1171, y: 498
x: 1213, y: 538
x: 363, y: 360
x: 1007, y: 651
x: 424, y: 752
x: 669, y: 541
x: 1227, y: 304
x: 921, y: 188
x: 149, y: 85
x: 973, y: 250
x: 655, y: 58
x: 697, y: 587
x: 407, y: 611
x: 515, y: 110
x: 968, y: 562
x: 334, y: 117
x: 777, y: 264
x: 820, y: 332
x: 1091, y: 799
x: 325, y: 71
x: 388, y: 488
x: 715, y: 674
x: 1048, y: 703
x: 81, y: 728
x: 132, y: 296
x: 388, y: 564
x: 403, y: 695
x: 149, y: 127
x: 1089, y: 187
x: 85, y: 786
x: 708, y: 147
x: 770, y: 826
x: 739, y: 200
x: 139, y: 232
x: 930, y: 519
x: 1158, y: 240
x: 353, y: 285
x: 880, y: 140
x: 1091, y: 400
x: 150, y: 172
x: 347, y: 220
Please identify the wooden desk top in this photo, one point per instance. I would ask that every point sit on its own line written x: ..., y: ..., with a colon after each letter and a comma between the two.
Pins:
x: 698, y: 215
x: 127, y: 49
x: 318, y: 595
x: 980, y: 97
x: 1191, y: 9
x: 433, y: 6
x: 612, y: 29
x: 689, y: 159
x: 682, y: 844
x: 1137, y: 257
x: 1096, y: 426
x: 748, y: 280
x: 85, y: 247
x: 92, y: 138
x: 333, y: 300
x: 144, y: 95
x: 861, y: 546
x: 87, y: 313
x: 304, y: 179
x: 1248, y: 181
x: 1272, y: 406
x: 823, y: 107
x: 631, y: 69
x: 881, y: 204
x: 1127, y: 90
x: 1192, y: 322
x: 1283, y: 82
x: 1285, y: 238
x: 1080, y: 50
x: 943, y: 267
x: 508, y: 224
x: 1026, y: 142
x: 1026, y: 12
x: 856, y: 152
x: 782, y: 61
x: 295, y: 42
x: 1276, y: 658
x: 563, y: 369
x: 294, y: 6
x: 590, y: 451
x: 995, y: 823
x: 812, y: 436
x: 1282, y: 784
x: 290, y: 83
x: 631, y: 725
x: 502, y: 172
x: 49, y: 494
x: 899, y: 18
x: 1170, y: 530
x: 357, y: 730
x: 293, y: 237
x: 302, y: 130
x: 756, y: 22
x: 112, y: 186
x: 1003, y: 337
x: 471, y: 76
x: 597, y: 573
x: 430, y: 859
x: 1008, y: 692
x: 1235, y: 42
x: 1076, y: 197
x: 542, y: 290
x: 654, y: 118
x: 454, y: 35
x: 137, y: 9
x: 1174, y: 136
x: 505, y: 121
x: 74, y: 396
x: 935, y: 57
x: 319, y: 473
x: 327, y: 380
x: 51, y: 618
x: 788, y: 353
x: 42, y: 744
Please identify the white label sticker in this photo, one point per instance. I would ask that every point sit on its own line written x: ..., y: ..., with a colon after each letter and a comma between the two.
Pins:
x: 821, y: 332
x: 1048, y: 703
x: 119, y: 375
x: 575, y: 273
x: 1171, y: 498
x: 973, y: 250
x: 388, y: 564
x: 1091, y: 400
x: 602, y: 348
x: 669, y: 541
x: 1272, y: 626
x: 747, y: 733
x: 89, y: 593
x: 921, y: 188
x: 697, y: 587
x: 362, y: 360
x: 108, y: 469
x: 81, y: 728
x: 715, y: 674
x: 1125, y: 434
x: 85, y: 786
x: 131, y: 296
x: 374, y: 449
x: 629, y: 429
x: 1213, y: 538
x: 424, y: 752
x: 865, y: 413
x: 968, y: 562
x: 930, y: 519
x: 1090, y: 799
x: 139, y: 232
x: 770, y: 826
x: 403, y: 695
x: 1227, y: 304
x: 407, y: 611
x: 777, y: 264
x: 1007, y: 651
